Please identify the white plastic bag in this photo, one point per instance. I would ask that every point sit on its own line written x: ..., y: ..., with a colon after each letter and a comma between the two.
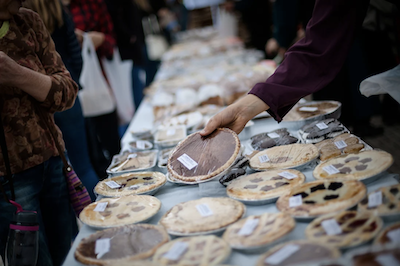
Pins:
x: 119, y: 75
x: 156, y: 44
x: 95, y: 96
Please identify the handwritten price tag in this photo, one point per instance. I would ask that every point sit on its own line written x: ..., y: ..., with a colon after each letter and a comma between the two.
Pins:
x: 273, y: 135
x: 321, y: 126
x: 287, y: 175
x: 141, y: 144
x: 204, y: 210
x: 263, y: 158
x: 102, y: 246
x: 100, y: 207
x: 188, y: 162
x: 331, y: 170
x: 331, y: 227
x: 112, y: 184
x: 295, y: 201
x: 308, y: 109
x: 375, y: 199
x: 248, y: 227
x: 340, y: 144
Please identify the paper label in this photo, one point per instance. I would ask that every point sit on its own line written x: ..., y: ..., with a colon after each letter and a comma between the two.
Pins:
x: 375, y: 199
x: 282, y: 254
x: 394, y: 235
x: 188, y: 162
x: 248, y: 227
x: 176, y: 251
x: 171, y: 132
x: 140, y: 144
x: 340, y: 144
x: 321, y: 126
x: 102, y: 247
x: 387, y: 260
x: 331, y: 170
x: 112, y: 184
x: 308, y: 109
x: 204, y: 210
x: 263, y: 158
x: 273, y: 135
x: 295, y: 201
x: 101, y: 206
x: 287, y: 175
x: 132, y: 156
x: 331, y: 227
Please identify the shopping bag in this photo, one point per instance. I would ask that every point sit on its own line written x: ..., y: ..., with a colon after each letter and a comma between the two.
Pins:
x: 96, y: 97
x: 156, y: 43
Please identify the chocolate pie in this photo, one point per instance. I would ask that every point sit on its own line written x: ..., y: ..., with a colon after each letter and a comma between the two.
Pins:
x: 199, y: 158
x: 389, y: 203
x: 322, y: 197
x: 130, y: 242
x: 353, y: 228
x: 323, y: 129
x: 111, y: 212
x: 390, y: 234
x: 271, y: 139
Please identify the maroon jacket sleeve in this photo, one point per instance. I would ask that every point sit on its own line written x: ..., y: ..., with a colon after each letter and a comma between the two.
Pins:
x: 314, y: 61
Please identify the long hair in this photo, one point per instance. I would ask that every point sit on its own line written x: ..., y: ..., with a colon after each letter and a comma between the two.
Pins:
x: 144, y: 5
x: 49, y: 10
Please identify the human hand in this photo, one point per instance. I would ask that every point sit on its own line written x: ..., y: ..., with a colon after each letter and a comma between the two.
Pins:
x: 8, y: 70
x: 97, y: 38
x: 236, y: 115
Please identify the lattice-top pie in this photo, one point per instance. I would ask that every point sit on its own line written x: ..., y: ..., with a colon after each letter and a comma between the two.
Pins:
x: 390, y: 234
x: 110, y: 212
x: 199, y: 158
x: 354, y: 166
x: 390, y: 201
x: 193, y: 251
x: 133, y: 183
x: 264, y: 185
x: 129, y: 242
x: 258, y: 230
x: 202, y: 215
x: 322, y: 197
x: 344, y: 229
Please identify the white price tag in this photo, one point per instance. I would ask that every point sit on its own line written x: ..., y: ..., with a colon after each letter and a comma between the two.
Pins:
x: 331, y: 227
x: 287, y: 175
x: 102, y: 246
x: 101, y: 206
x: 171, y: 132
x: 248, y: 227
x: 282, y: 254
x: 387, y: 260
x: 273, y: 135
x: 308, y: 109
x: 295, y: 201
x: 340, y: 144
x: 176, y: 251
x: 112, y: 184
x: 140, y: 144
x: 321, y: 126
x: 132, y: 156
x: 204, y: 210
x: 394, y: 235
x: 375, y: 199
x: 188, y: 162
x: 331, y: 170
x: 263, y: 158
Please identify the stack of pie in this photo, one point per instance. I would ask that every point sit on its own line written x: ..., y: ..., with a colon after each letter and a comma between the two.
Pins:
x: 320, y: 130
x: 344, y: 143
x: 345, y: 229
x: 388, y: 202
x: 267, y: 140
x: 390, y: 234
x: 136, y: 161
x: 110, y: 212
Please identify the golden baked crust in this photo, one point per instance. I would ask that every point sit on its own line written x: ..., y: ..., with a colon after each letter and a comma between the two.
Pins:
x: 214, y: 154
x: 322, y: 197
x: 357, y: 228
x: 144, y: 240
x: 382, y: 238
x: 390, y: 201
x: 121, y: 211
x: 356, y: 166
x: 184, y: 218
x: 263, y: 185
x: 132, y: 183
x: 285, y: 156
x: 270, y: 227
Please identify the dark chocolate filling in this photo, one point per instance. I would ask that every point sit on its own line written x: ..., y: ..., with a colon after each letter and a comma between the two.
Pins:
x: 256, y: 180
x: 345, y: 170
x: 335, y: 185
x: 251, y: 186
x: 266, y: 188
x: 394, y: 190
x: 303, y: 195
x: 366, y: 160
x: 351, y: 159
x: 318, y: 187
x: 361, y: 167
x: 331, y: 197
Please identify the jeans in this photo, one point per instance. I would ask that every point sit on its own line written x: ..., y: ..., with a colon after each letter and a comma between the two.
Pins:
x: 43, y: 189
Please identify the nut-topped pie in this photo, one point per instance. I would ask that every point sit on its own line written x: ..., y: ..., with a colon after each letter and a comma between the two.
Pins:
x: 389, y: 202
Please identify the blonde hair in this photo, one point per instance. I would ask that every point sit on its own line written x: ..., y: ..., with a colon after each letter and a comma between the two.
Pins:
x: 49, y: 10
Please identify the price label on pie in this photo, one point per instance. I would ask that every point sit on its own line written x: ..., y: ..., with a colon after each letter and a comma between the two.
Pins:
x: 331, y: 227
x: 188, y: 162
x: 273, y: 135
x: 295, y: 201
x: 375, y: 199
x: 321, y: 126
x: 112, y: 184
x: 287, y: 175
x: 171, y: 132
x: 132, y: 156
x: 140, y: 144
x: 282, y: 254
x: 248, y: 227
x: 204, y: 210
x: 340, y: 144
x: 102, y: 246
x: 308, y: 109
x: 263, y: 158
x: 394, y: 235
x: 387, y: 260
x: 101, y: 206
x: 331, y: 170
x: 176, y: 251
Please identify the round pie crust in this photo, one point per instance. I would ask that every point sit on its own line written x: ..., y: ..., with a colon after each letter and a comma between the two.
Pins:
x: 390, y: 202
x: 201, y: 251
x: 185, y: 218
x: 357, y: 228
x: 270, y: 227
x: 121, y: 211
x: 322, y: 197
x: 358, y: 166
x: 382, y: 238
x: 285, y: 156
x: 195, y: 140
x: 137, y: 230
x: 263, y: 185
x: 132, y: 183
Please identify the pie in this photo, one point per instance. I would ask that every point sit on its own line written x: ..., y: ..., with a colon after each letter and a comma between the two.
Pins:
x: 268, y: 228
x: 323, y: 129
x: 372, y: 256
x: 282, y: 157
x: 389, y: 235
x: 193, y: 251
x: 129, y: 242
x: 133, y: 263
x: 298, y: 252
x: 170, y: 134
x: 328, y: 149
x: 355, y: 166
x: 133, y: 161
x: 264, y: 185
x: 199, y: 158
x: 390, y: 201
x: 267, y: 140
x: 356, y: 228
x: 322, y: 197
x: 202, y: 215
x: 133, y: 183
x: 141, y: 145
x: 231, y: 175
x: 310, y: 110
x: 120, y: 211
